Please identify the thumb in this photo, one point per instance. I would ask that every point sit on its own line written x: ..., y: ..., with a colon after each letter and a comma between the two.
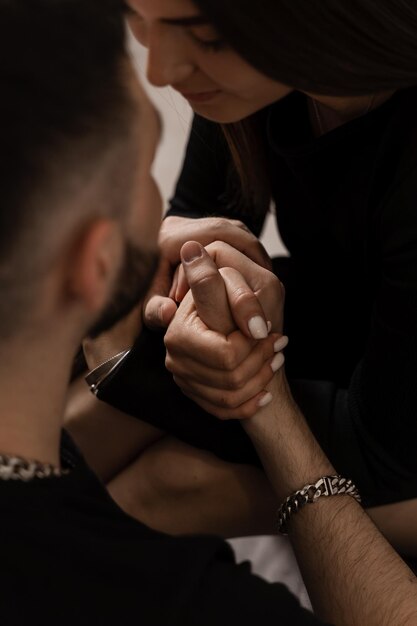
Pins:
x: 208, y: 288
x: 159, y: 308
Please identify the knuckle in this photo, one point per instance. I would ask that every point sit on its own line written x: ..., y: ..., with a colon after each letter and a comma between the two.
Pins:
x: 228, y: 360
x: 175, y: 343
x: 229, y: 401
x: 272, y: 289
x: 203, y: 279
x: 167, y: 232
x: 216, y: 246
x: 169, y: 363
x: 172, y: 366
x: 271, y: 280
x: 237, y: 223
x: 219, y: 223
x: 235, y: 380
x: 247, y: 410
x: 221, y: 414
x: 170, y: 340
x: 242, y: 297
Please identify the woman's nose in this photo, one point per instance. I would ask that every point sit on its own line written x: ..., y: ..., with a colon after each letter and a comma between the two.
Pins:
x: 168, y: 61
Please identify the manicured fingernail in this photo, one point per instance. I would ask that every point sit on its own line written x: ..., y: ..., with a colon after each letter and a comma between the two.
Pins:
x: 277, y: 362
x: 265, y: 400
x: 257, y: 327
x: 191, y: 251
x: 269, y: 326
x: 281, y: 343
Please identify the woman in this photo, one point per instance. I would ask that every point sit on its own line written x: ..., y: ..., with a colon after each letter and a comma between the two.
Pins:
x: 311, y: 104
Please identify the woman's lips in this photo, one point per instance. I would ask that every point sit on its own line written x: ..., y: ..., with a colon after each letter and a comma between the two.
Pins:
x: 200, y: 97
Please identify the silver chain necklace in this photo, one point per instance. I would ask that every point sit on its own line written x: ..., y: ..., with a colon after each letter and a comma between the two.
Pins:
x: 16, y: 468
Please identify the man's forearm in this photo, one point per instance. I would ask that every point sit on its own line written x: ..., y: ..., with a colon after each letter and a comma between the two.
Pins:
x: 353, y: 575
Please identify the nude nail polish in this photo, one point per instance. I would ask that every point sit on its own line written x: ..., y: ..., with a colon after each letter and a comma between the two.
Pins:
x: 281, y: 343
x: 277, y: 362
x: 265, y: 400
x: 257, y: 327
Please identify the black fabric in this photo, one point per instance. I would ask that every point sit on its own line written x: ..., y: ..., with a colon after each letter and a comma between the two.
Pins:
x: 71, y: 556
x: 142, y: 387
x: 346, y: 208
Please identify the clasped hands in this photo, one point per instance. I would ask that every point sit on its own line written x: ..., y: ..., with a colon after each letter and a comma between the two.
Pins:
x: 224, y: 343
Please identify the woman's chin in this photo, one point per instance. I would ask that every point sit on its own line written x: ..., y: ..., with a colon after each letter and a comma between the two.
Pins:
x: 223, y: 113
x: 228, y: 109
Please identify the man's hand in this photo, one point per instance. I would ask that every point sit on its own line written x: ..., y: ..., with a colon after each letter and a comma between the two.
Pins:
x: 159, y: 307
x: 222, y: 369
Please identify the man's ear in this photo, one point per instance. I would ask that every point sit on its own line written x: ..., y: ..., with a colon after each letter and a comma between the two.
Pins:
x: 94, y: 264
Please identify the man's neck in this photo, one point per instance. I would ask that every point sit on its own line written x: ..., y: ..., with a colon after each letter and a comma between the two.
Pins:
x: 33, y: 387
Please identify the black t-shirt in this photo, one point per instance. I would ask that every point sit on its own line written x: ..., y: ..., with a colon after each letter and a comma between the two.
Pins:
x: 71, y: 556
x: 346, y: 207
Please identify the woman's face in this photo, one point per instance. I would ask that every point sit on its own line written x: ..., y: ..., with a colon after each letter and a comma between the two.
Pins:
x: 186, y: 52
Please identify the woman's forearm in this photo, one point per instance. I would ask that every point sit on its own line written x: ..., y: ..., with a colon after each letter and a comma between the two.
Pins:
x: 353, y: 575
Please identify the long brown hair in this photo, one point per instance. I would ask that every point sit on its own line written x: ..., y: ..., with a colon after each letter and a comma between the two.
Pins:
x: 329, y: 47
x: 245, y: 141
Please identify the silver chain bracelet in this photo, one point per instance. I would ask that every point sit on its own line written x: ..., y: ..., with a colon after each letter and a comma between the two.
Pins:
x: 325, y: 486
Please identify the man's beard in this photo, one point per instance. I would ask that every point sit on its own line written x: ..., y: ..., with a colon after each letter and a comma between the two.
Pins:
x: 132, y: 285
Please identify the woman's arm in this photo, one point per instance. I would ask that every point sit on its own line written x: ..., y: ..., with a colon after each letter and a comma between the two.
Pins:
x: 110, y: 440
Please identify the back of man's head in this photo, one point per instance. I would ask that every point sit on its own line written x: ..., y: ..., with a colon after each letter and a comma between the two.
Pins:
x: 65, y: 117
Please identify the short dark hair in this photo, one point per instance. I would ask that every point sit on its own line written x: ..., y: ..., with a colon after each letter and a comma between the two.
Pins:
x: 64, y: 104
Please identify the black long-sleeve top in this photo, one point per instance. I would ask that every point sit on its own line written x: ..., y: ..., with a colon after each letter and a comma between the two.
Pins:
x: 346, y: 206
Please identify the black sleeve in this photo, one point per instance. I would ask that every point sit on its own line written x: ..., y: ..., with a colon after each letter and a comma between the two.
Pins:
x: 383, y: 393
x: 230, y: 594
x: 208, y: 182
x: 369, y: 430
x: 143, y: 388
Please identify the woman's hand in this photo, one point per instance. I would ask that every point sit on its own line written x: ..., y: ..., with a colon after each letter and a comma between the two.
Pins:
x: 159, y: 308
x: 222, y: 369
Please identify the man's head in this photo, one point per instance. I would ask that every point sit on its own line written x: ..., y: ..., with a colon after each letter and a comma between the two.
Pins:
x: 79, y: 211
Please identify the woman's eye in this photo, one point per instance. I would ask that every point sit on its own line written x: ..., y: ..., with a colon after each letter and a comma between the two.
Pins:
x: 215, y: 45
x: 210, y: 44
x: 206, y: 37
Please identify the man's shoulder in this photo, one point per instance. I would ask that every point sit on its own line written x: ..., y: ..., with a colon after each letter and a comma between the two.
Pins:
x: 101, y: 566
